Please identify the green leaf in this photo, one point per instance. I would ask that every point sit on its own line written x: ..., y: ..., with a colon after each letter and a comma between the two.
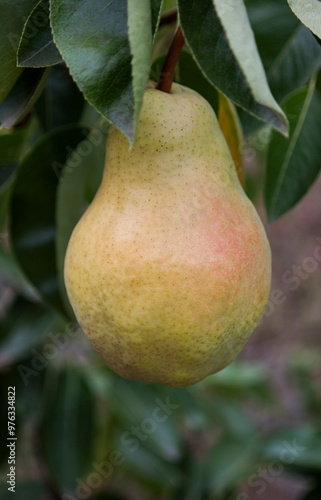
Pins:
x: 37, y: 48
x: 33, y: 229
x: 108, y: 50
x: 12, y: 19
x: 231, y: 61
x: 309, y: 13
x: 266, y: 13
x: 136, y: 403
x: 148, y: 467
x: 5, y: 195
x: 22, y: 96
x: 77, y: 187
x: 293, y: 165
x: 11, y: 145
x: 156, y: 11
x: 190, y: 75
x: 140, y: 41
x: 231, y: 462
x: 11, y: 274
x: 296, y: 63
x: 67, y: 428
x: 298, y: 448
x: 25, y: 326
x: 61, y: 102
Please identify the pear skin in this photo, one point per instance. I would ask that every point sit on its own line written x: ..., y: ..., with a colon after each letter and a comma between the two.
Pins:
x: 169, y: 269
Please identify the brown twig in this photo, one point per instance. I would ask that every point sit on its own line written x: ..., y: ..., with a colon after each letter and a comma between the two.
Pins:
x: 168, y: 17
x: 168, y: 71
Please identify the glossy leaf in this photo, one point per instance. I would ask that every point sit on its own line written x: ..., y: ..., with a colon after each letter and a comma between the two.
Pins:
x: 67, y: 428
x: 33, y: 229
x: 108, y: 50
x: 293, y: 165
x: 61, y: 102
x: 12, y: 19
x: 231, y: 127
x: 231, y: 61
x: 309, y: 13
x: 296, y: 64
x: 25, y: 326
x: 37, y: 48
x: 22, y: 96
x: 77, y: 187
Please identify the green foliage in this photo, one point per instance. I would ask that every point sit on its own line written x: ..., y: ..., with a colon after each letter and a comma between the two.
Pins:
x: 52, y: 146
x: 227, y: 35
x: 32, y: 211
x: 37, y: 48
x: 293, y: 165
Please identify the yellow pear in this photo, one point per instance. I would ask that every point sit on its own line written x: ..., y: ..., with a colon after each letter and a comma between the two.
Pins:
x: 168, y: 271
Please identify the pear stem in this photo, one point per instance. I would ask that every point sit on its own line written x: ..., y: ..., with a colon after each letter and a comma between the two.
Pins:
x: 167, y: 75
x: 168, y: 17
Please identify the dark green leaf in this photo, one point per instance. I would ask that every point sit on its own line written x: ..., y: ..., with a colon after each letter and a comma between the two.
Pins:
x: 22, y: 96
x: 108, y: 50
x: 293, y: 165
x: 266, y: 13
x: 296, y: 64
x: 12, y: 19
x: 37, y: 48
x: 230, y: 61
x: 25, y: 326
x: 61, y: 102
x: 309, y: 14
x: 11, y: 144
x: 5, y: 194
x: 12, y: 274
x: 67, y: 428
x: 77, y: 187
x: 33, y: 229
x: 156, y: 7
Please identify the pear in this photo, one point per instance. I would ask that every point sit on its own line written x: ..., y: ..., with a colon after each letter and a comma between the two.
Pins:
x: 168, y: 271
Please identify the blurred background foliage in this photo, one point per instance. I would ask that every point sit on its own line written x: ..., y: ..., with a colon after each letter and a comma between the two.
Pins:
x: 84, y: 432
